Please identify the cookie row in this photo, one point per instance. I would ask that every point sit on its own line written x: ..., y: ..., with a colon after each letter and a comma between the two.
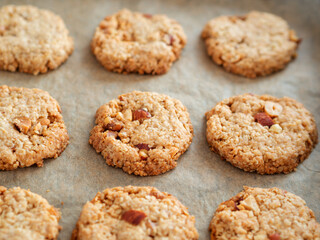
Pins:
x: 35, y: 41
x: 147, y: 213
x: 145, y: 133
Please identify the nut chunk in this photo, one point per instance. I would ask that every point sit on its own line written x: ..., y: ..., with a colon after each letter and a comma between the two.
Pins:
x: 275, y: 236
x: 141, y: 114
x: 23, y: 124
x: 114, y: 126
x: 273, y: 109
x: 143, y: 146
x: 133, y: 216
x: 264, y: 119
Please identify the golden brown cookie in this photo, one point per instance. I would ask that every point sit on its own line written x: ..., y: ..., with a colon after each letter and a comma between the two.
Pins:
x: 130, y: 212
x: 261, y: 133
x: 264, y: 214
x: 26, y: 215
x: 32, y: 40
x: 144, y: 133
x: 253, y: 45
x: 31, y: 127
x: 134, y: 42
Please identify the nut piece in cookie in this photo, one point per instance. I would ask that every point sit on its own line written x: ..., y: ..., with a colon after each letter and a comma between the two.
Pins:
x: 264, y: 119
x: 261, y: 133
x: 32, y: 40
x: 26, y: 215
x: 143, y: 133
x: 264, y: 213
x: 132, y: 42
x: 141, y: 114
x: 131, y: 212
x: 253, y: 45
x: 31, y: 127
x: 23, y: 124
x: 133, y: 217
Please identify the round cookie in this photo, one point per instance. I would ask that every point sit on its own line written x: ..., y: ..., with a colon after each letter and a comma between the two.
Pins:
x: 129, y: 42
x: 134, y: 213
x: 261, y: 133
x: 144, y: 133
x: 32, y: 40
x: 264, y: 214
x: 31, y: 127
x: 26, y: 215
x: 253, y: 45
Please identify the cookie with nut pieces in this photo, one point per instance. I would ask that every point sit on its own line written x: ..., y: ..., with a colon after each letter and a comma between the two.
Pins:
x: 264, y: 214
x: 132, y: 42
x: 26, y: 215
x: 144, y: 133
x: 32, y: 40
x: 134, y: 213
x: 32, y: 128
x: 261, y: 133
x: 256, y: 44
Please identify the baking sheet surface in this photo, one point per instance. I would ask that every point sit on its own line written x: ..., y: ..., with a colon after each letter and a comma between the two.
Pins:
x: 201, y: 180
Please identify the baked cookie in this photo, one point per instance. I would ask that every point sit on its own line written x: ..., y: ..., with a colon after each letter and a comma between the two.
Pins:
x: 261, y: 133
x: 143, y: 133
x: 32, y: 40
x: 31, y: 127
x: 264, y: 213
x: 134, y: 42
x: 26, y: 215
x: 124, y: 213
x: 253, y: 45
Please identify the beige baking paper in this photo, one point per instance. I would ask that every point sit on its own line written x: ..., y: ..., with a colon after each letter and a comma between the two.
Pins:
x: 201, y: 180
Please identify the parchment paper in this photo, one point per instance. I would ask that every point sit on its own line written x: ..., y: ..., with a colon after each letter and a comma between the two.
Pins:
x: 201, y: 180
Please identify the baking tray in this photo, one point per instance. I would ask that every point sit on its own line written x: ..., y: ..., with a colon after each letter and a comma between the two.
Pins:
x: 201, y: 180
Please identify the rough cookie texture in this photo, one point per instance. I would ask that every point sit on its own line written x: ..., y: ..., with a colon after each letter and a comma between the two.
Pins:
x: 31, y: 127
x: 237, y: 131
x: 143, y: 133
x: 26, y: 215
x: 264, y: 214
x: 134, y: 42
x: 32, y: 40
x: 256, y: 44
x: 109, y: 216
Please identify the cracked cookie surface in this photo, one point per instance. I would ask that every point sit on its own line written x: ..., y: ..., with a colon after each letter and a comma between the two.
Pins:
x: 32, y: 40
x: 143, y: 133
x: 31, y: 127
x: 141, y: 43
x: 264, y: 214
x: 261, y: 133
x: 26, y: 215
x: 253, y: 45
x: 141, y: 213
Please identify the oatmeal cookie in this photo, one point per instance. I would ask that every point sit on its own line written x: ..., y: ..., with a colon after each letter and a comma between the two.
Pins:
x: 134, y: 42
x: 264, y: 214
x: 261, y: 133
x: 134, y: 213
x: 31, y: 127
x: 32, y: 40
x: 26, y: 215
x: 253, y: 45
x: 143, y: 133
